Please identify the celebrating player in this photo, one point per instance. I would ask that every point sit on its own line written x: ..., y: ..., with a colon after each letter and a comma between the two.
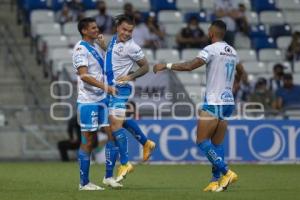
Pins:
x: 92, y: 110
x: 121, y: 55
x: 221, y: 60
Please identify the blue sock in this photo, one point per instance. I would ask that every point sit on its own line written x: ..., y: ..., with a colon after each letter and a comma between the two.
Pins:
x: 122, y: 143
x: 111, y: 155
x: 84, y: 166
x: 215, y: 172
x: 212, y: 155
x: 135, y: 130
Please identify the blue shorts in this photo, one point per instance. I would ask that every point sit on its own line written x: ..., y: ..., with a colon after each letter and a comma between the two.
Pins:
x: 219, y: 111
x: 92, y: 115
x: 117, y: 104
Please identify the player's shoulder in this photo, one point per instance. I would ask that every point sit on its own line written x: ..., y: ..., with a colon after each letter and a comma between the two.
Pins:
x: 79, y: 48
x: 131, y: 44
x: 225, y: 47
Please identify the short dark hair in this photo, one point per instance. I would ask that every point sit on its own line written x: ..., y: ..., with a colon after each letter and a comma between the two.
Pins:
x: 278, y: 66
x: 220, y: 24
x: 83, y: 23
x: 124, y: 18
x: 288, y: 76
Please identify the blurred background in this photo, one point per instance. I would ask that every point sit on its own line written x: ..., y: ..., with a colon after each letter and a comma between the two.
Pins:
x: 38, y: 82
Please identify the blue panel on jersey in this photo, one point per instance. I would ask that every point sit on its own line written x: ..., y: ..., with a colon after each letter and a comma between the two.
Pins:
x: 94, y: 53
x: 108, y: 61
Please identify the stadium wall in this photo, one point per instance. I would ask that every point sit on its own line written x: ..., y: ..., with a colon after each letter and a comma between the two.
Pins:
x: 266, y: 141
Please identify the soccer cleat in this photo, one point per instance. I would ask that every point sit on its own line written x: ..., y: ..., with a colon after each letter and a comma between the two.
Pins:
x: 148, y: 149
x: 123, y: 170
x: 229, y: 178
x: 90, y: 186
x: 111, y: 182
x: 212, y: 186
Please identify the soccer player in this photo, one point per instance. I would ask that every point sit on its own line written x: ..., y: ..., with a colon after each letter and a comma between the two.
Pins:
x: 92, y: 110
x: 120, y: 57
x: 221, y: 60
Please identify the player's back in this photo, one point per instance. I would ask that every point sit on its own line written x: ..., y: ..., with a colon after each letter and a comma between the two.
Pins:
x: 221, y: 60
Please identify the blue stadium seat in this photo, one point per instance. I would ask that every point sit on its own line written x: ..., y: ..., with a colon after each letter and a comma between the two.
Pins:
x: 56, y: 4
x: 201, y: 16
x: 157, y: 5
x: 89, y: 4
x: 263, y: 43
x: 145, y: 15
x: 257, y: 31
x: 280, y: 30
x: 29, y: 5
x: 262, y: 5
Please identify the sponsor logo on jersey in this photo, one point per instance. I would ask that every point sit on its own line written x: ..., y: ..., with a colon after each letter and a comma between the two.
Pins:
x: 227, y: 97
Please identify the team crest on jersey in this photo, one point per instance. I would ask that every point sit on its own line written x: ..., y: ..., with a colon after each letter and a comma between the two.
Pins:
x: 120, y: 49
x: 228, y: 49
x: 78, y: 49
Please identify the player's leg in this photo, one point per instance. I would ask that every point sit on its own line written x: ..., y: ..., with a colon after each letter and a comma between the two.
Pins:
x: 217, y: 139
x: 117, y: 113
x: 229, y: 177
x: 205, y: 129
x: 120, y: 135
x: 84, y: 154
x: 135, y: 130
x: 87, y: 114
x: 207, y: 125
x: 111, y: 156
x: 111, y: 149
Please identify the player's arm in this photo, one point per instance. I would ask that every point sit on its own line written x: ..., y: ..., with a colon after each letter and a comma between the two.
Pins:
x: 241, y: 74
x: 185, y: 66
x: 143, y: 69
x: 84, y: 76
x: 101, y: 42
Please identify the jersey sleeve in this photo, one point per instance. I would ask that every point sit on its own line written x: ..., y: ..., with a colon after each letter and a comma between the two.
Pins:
x: 135, y: 52
x: 80, y: 57
x: 206, y: 54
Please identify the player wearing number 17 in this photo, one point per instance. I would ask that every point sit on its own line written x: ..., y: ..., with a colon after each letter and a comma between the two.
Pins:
x: 221, y: 60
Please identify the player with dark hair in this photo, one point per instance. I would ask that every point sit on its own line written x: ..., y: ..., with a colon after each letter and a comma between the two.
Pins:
x: 221, y: 60
x: 91, y: 101
x: 120, y: 57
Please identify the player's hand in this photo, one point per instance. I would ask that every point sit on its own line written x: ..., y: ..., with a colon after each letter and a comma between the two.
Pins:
x: 124, y: 79
x: 112, y: 90
x: 159, y: 67
x: 101, y: 41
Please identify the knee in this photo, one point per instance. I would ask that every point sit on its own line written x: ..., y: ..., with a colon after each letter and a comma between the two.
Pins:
x: 115, y: 126
x: 87, y: 145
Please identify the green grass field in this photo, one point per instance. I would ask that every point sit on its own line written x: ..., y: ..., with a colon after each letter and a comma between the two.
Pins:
x: 51, y: 180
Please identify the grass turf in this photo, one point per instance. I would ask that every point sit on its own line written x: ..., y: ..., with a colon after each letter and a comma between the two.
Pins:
x: 51, y: 180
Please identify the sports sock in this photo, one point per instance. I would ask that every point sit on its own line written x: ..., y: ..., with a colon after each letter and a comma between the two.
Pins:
x: 215, y: 172
x: 84, y: 166
x: 111, y: 155
x: 122, y: 143
x: 135, y: 130
x: 212, y: 155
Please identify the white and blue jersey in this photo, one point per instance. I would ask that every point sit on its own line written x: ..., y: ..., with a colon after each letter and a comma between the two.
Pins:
x: 91, y: 101
x: 221, y: 60
x: 119, y: 60
x: 90, y: 56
